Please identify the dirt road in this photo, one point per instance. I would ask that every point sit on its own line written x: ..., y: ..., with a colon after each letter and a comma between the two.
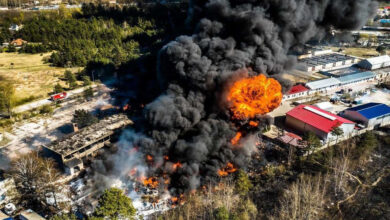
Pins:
x: 47, y: 101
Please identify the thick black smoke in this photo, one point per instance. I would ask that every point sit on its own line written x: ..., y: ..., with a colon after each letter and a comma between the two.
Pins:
x: 187, y: 122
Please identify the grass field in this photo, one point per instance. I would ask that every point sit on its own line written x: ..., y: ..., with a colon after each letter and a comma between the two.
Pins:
x: 359, y: 52
x: 33, y: 79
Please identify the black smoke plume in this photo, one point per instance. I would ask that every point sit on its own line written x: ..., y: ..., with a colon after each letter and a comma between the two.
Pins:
x: 187, y: 123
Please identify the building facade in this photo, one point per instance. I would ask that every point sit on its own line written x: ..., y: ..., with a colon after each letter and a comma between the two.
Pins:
x: 305, y: 118
x: 296, y: 92
x: 370, y: 115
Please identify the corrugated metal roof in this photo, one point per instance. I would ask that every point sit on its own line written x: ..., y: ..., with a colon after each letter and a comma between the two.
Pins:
x: 364, y: 106
x: 372, y: 110
x: 356, y: 77
x: 323, y: 83
x: 378, y: 60
x: 322, y: 121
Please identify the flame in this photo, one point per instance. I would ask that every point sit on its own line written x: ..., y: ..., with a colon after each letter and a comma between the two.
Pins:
x: 149, y: 157
x: 254, y: 96
x: 229, y: 168
x: 177, y: 165
x: 177, y: 200
x: 151, y: 182
x: 236, y: 138
x: 253, y: 123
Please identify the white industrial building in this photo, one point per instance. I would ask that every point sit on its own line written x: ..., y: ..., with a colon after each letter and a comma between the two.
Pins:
x: 331, y: 83
x: 323, y: 84
x: 375, y: 62
x: 370, y: 115
x: 328, y: 61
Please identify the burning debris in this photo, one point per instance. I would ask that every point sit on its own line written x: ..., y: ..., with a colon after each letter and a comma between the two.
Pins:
x: 190, y: 133
x: 226, y: 170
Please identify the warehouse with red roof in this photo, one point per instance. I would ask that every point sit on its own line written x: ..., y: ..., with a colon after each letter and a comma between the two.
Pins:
x: 306, y: 118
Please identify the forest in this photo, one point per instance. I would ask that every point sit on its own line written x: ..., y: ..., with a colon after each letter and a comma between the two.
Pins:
x: 94, y: 34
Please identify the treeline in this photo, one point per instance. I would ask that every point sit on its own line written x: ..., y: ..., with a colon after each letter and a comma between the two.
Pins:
x: 79, y: 41
x: 98, y: 34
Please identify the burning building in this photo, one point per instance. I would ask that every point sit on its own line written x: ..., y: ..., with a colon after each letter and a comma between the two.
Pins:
x: 70, y: 151
x: 219, y: 83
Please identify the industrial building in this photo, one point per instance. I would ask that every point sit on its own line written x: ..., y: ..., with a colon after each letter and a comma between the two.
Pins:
x: 375, y: 63
x: 356, y: 78
x: 370, y: 115
x: 328, y: 62
x: 323, y: 84
x: 70, y: 151
x: 296, y: 92
x: 335, y: 82
x: 305, y: 118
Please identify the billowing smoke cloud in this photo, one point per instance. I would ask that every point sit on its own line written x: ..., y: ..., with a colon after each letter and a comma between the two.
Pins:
x: 188, y: 123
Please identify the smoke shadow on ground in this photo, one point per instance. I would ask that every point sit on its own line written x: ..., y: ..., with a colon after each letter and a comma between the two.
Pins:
x: 65, y: 129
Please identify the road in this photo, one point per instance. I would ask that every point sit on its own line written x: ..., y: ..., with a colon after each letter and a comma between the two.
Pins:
x: 38, y: 103
x: 31, y: 134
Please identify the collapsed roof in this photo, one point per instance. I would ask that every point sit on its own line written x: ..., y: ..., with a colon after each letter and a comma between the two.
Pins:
x: 89, y: 135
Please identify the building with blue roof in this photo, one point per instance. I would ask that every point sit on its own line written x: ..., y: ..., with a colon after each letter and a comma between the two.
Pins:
x: 369, y: 115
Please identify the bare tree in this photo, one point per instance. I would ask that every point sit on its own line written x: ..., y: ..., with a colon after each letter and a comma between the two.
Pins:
x: 34, y: 177
x: 304, y: 199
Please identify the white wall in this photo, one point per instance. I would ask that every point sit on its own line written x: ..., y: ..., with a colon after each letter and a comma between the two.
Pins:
x: 378, y: 121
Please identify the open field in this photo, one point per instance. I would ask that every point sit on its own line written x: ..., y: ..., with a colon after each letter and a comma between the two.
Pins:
x: 32, y: 77
x: 358, y: 51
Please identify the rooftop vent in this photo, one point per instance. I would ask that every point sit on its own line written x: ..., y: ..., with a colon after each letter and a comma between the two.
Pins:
x: 320, y: 113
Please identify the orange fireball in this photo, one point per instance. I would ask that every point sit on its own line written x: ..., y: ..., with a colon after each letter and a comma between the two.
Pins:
x: 252, y: 96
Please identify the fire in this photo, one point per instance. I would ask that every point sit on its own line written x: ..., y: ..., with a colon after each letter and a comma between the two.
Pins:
x: 149, y: 158
x: 253, y: 123
x: 177, y: 165
x: 151, y: 182
x: 236, y: 138
x: 226, y: 170
x: 177, y: 200
x: 254, y: 96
